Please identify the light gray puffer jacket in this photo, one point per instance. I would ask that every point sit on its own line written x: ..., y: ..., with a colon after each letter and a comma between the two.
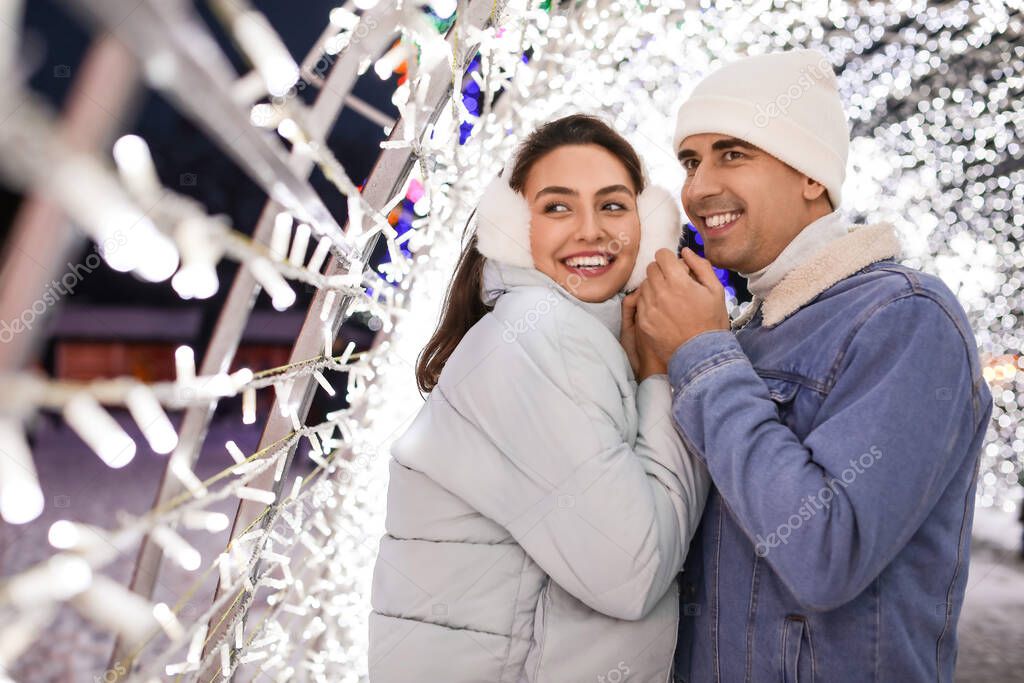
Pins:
x: 540, y: 506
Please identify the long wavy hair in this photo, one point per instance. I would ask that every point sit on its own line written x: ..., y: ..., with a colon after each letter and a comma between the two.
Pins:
x: 463, y: 305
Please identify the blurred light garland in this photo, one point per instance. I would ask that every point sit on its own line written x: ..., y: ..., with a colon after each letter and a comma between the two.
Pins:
x: 934, y: 97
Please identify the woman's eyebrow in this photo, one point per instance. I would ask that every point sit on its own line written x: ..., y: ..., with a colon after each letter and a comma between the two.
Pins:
x: 557, y: 189
x: 611, y: 189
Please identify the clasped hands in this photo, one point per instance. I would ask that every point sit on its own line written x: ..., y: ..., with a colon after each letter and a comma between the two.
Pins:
x: 680, y: 299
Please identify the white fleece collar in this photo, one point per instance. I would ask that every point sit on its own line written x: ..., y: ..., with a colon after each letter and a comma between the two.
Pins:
x: 804, y: 245
x: 836, y: 261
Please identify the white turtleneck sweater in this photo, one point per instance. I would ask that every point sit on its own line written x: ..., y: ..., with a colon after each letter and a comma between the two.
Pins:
x: 807, y: 242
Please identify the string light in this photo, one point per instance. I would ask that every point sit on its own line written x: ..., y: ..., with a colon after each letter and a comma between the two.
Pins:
x: 21, y: 499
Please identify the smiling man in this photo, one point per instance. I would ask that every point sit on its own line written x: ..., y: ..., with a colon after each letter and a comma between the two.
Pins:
x: 841, y: 422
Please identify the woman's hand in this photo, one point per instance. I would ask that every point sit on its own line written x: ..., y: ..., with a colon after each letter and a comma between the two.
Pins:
x: 642, y: 358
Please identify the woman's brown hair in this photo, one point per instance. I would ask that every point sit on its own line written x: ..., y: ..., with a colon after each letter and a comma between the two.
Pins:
x: 463, y: 305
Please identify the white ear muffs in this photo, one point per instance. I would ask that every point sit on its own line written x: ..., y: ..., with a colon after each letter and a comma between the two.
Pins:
x: 503, y: 227
x: 660, y: 228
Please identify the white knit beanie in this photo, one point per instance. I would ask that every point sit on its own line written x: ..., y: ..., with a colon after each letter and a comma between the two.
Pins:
x: 786, y: 103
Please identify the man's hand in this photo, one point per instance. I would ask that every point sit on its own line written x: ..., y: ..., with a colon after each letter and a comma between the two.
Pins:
x: 680, y: 299
x: 641, y: 356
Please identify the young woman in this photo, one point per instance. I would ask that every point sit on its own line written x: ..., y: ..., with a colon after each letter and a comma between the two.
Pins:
x: 541, y: 503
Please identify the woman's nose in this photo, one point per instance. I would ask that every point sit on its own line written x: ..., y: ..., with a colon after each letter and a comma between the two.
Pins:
x: 589, y: 227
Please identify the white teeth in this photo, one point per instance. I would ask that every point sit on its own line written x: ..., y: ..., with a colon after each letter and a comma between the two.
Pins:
x: 721, y: 219
x: 587, y: 261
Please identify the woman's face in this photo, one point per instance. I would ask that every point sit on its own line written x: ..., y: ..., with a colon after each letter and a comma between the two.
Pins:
x: 584, y: 225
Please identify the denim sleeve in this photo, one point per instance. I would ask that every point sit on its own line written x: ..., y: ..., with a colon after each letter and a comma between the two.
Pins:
x: 830, y: 512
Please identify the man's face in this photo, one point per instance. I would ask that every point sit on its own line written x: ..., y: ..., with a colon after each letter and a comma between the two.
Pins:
x: 746, y: 204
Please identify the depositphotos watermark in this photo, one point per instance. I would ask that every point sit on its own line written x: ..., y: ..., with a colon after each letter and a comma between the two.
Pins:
x: 56, y: 289
x: 821, y: 500
x: 809, y: 75
x: 528, y: 321
x: 616, y: 674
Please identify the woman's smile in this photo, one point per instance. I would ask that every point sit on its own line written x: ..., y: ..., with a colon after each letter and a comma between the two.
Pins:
x: 589, y: 264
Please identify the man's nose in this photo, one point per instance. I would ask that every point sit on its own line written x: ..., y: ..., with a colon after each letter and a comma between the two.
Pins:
x: 704, y: 182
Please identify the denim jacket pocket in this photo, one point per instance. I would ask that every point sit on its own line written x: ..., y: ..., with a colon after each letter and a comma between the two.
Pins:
x: 783, y: 393
x: 795, y: 630
x: 781, y: 390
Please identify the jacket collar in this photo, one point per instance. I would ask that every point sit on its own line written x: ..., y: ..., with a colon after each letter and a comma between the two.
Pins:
x: 499, y: 278
x: 805, y: 244
x: 836, y: 261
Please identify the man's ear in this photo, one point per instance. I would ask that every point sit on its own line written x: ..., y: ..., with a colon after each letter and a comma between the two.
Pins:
x: 812, y: 189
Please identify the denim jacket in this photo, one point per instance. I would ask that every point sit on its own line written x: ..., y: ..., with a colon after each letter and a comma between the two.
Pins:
x: 841, y: 425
